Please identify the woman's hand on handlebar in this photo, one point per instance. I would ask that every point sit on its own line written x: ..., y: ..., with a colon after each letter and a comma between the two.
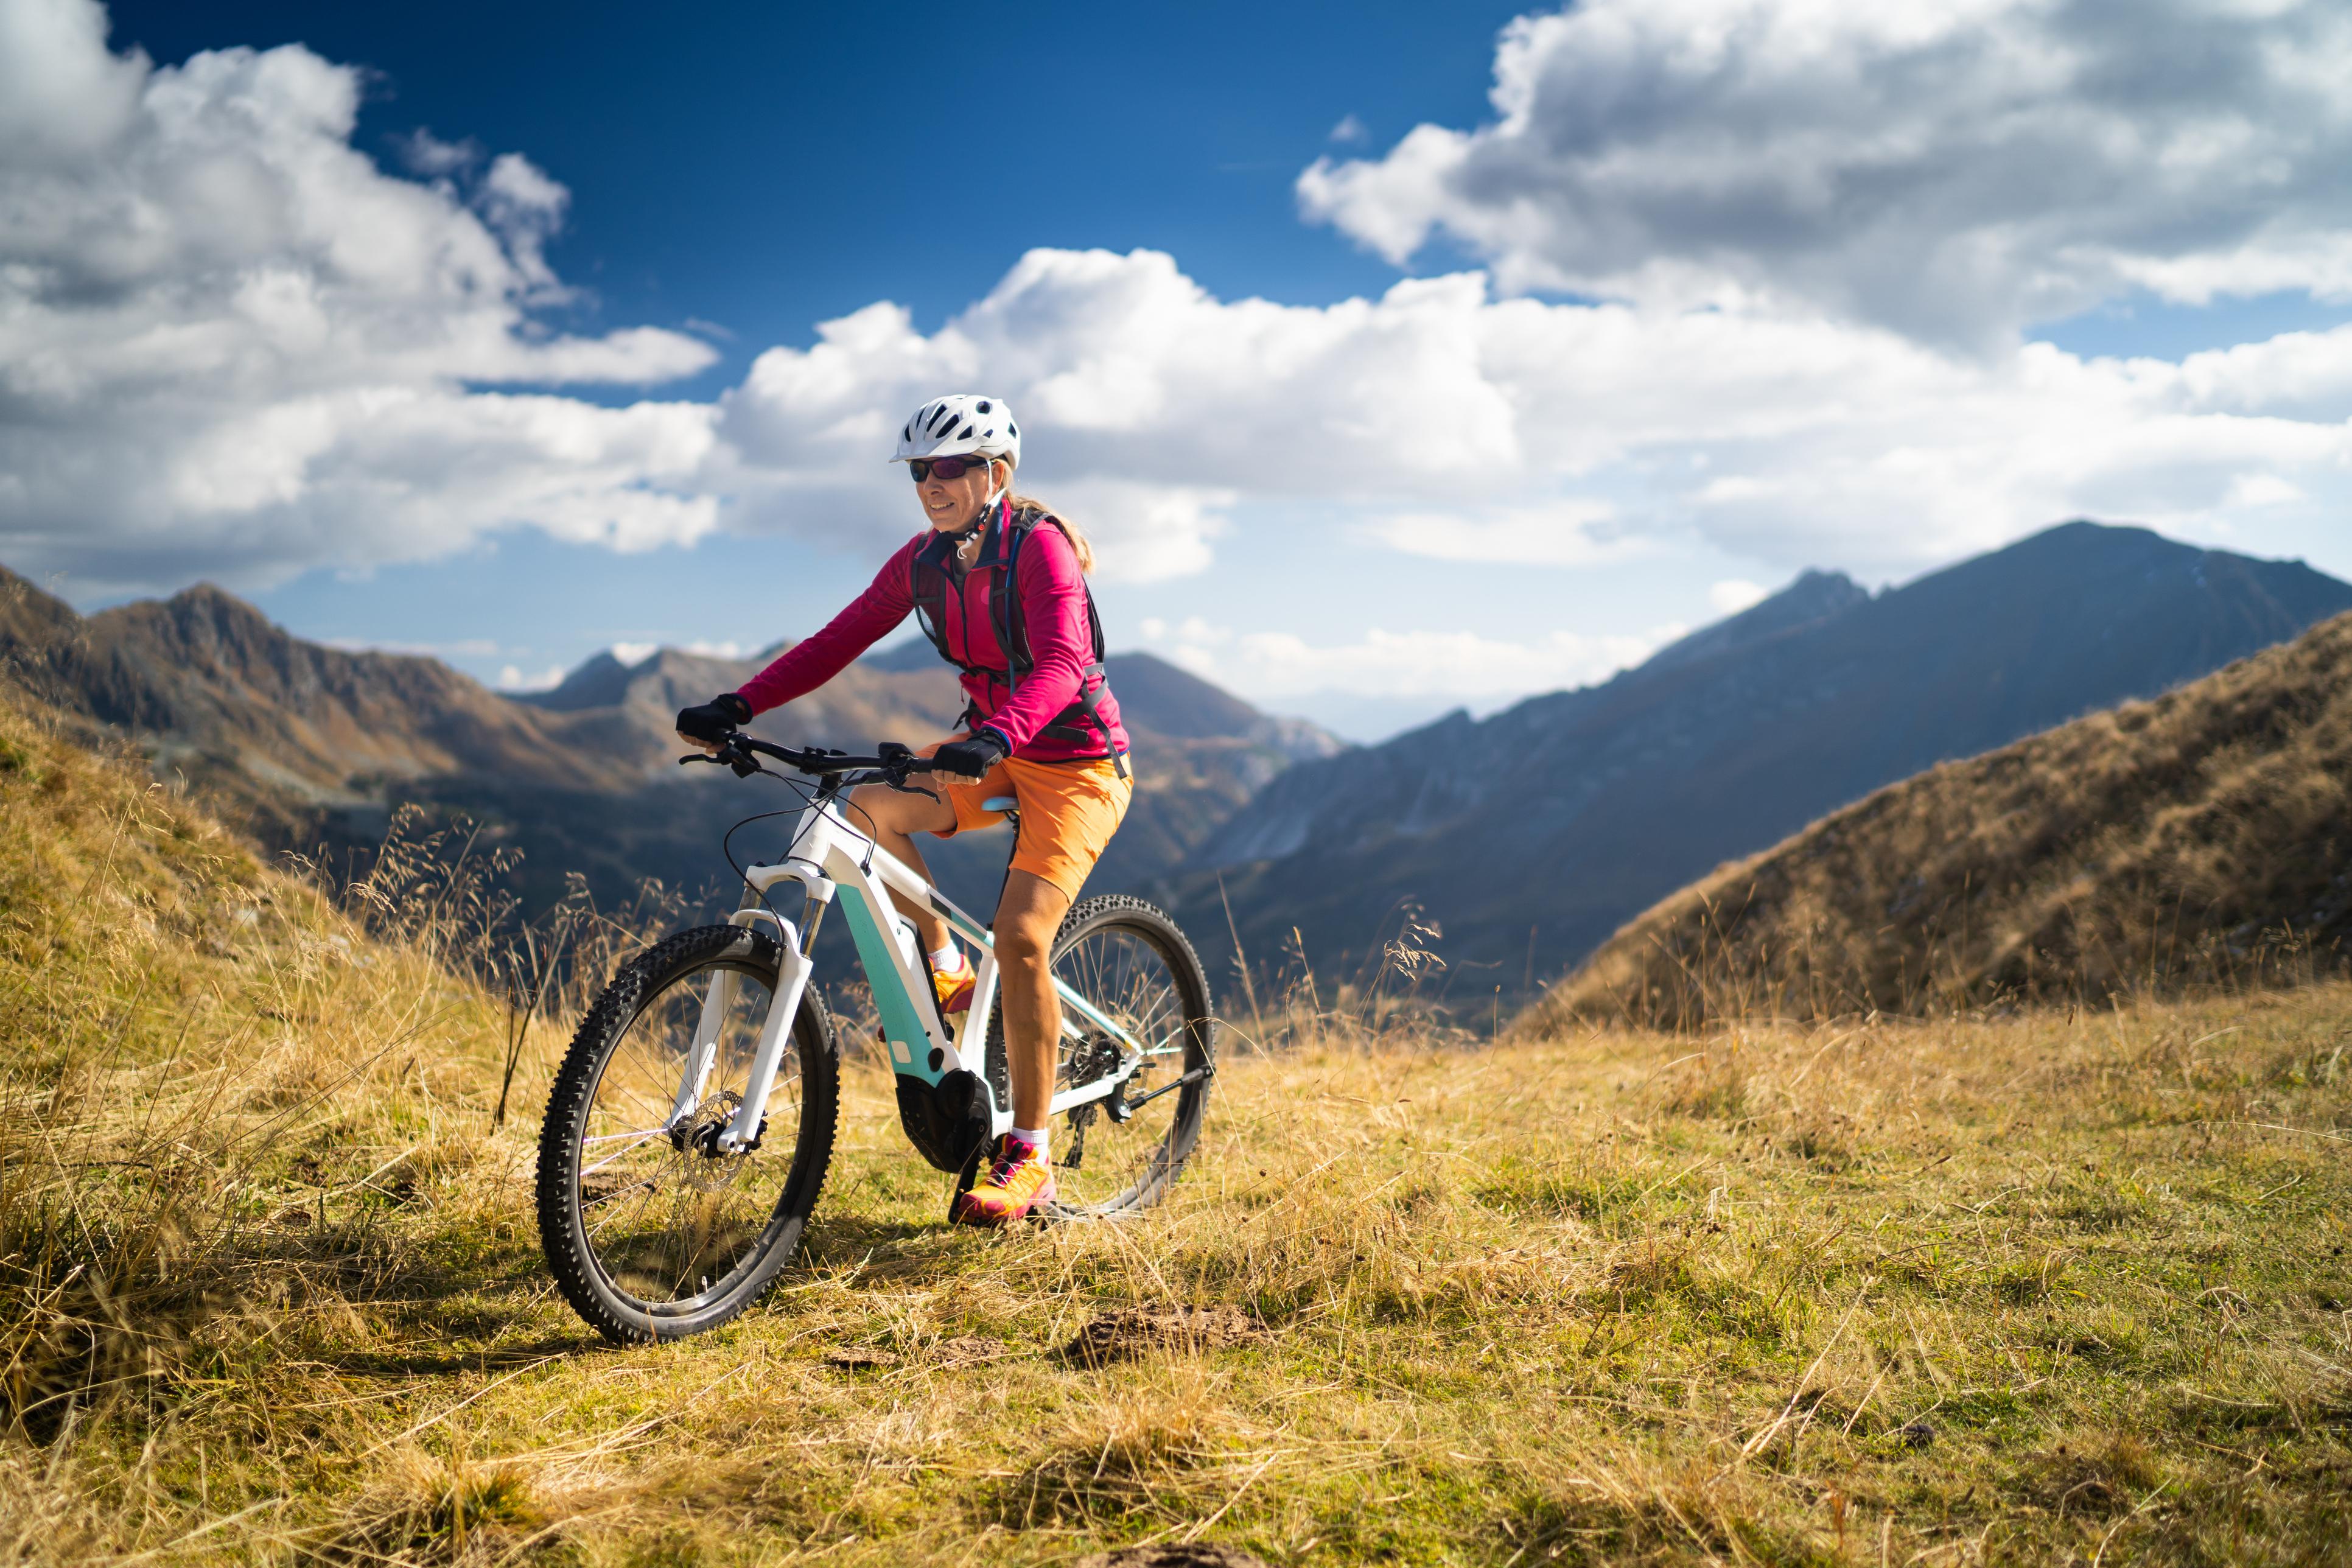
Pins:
x: 710, y: 724
x: 973, y: 755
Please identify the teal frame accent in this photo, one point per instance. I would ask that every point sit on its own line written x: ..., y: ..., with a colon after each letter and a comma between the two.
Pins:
x: 902, y: 1023
x: 1095, y: 1014
x: 877, y: 953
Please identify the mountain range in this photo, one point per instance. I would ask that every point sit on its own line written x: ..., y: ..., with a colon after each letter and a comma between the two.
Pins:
x: 1525, y: 837
x: 1529, y: 837
x: 310, y: 746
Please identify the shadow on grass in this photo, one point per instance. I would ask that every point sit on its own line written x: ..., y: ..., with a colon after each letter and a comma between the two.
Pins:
x: 889, y: 1247
x: 449, y: 1364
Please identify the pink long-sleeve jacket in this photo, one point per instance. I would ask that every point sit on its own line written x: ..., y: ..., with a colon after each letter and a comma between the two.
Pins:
x: 1053, y: 613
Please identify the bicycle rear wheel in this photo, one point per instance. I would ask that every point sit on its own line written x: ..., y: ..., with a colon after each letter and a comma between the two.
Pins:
x: 650, y: 1229
x: 1134, y: 963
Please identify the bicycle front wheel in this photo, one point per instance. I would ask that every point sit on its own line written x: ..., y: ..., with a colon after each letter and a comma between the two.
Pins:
x: 1118, y: 1155
x: 651, y: 1229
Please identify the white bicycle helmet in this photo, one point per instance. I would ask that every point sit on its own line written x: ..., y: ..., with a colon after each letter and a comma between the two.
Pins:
x: 963, y: 425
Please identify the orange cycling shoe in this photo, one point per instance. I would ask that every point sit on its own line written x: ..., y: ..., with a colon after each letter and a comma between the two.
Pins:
x: 1013, y: 1183
x: 953, y: 987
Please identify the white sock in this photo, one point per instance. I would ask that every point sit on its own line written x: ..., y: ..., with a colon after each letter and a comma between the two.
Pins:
x: 947, y: 960
x: 1039, y: 1138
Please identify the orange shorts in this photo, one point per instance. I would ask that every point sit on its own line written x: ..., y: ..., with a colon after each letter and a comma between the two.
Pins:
x: 1068, y: 811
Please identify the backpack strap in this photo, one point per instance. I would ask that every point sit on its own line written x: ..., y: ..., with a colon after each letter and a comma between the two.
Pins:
x: 927, y: 585
x: 1013, y: 635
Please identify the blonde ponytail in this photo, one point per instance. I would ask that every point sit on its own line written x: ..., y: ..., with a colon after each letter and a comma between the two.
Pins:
x: 1079, y: 546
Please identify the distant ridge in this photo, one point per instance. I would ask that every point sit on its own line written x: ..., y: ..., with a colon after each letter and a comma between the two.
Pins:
x: 1814, y: 596
x: 2189, y: 838
x: 307, y: 744
x: 276, y: 728
x: 1531, y: 836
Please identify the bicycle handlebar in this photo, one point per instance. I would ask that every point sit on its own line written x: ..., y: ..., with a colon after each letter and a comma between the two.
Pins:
x: 896, y: 763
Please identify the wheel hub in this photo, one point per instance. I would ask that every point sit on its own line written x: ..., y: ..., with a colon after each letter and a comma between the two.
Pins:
x: 709, y: 1164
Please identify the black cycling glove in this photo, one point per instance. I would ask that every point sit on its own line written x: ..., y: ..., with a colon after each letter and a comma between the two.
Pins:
x: 971, y: 756
x: 714, y: 720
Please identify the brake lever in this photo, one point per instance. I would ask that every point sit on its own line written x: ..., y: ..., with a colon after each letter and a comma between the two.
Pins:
x: 741, y: 762
x: 898, y: 760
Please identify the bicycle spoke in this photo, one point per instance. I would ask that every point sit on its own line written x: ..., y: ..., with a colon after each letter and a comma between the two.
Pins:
x: 609, y: 1137
x: 617, y: 1153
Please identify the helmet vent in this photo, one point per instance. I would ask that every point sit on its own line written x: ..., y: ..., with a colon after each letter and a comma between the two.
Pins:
x: 984, y: 408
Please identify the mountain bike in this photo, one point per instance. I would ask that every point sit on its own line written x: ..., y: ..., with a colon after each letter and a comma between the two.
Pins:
x: 689, y: 1129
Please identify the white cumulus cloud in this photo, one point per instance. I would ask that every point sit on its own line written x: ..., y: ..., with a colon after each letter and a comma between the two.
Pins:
x: 1400, y: 663
x: 231, y: 345
x: 1441, y: 420
x: 1733, y: 594
x: 1954, y: 169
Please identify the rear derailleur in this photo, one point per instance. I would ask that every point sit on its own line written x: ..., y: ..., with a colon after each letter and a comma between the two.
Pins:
x: 1101, y: 1058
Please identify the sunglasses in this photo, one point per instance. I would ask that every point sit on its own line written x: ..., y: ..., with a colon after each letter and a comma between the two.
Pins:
x: 946, y: 467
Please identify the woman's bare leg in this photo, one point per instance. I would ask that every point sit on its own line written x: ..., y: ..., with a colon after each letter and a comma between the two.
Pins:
x: 891, y: 816
x: 1028, y: 918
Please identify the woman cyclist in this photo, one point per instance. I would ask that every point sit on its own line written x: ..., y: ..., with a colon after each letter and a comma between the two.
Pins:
x: 999, y: 585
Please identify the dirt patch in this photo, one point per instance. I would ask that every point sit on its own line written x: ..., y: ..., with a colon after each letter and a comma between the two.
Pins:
x: 863, y: 1358
x: 1191, y: 1554
x: 1134, y: 1331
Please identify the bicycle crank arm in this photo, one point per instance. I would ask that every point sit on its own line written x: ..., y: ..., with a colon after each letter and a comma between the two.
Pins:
x: 1202, y: 1073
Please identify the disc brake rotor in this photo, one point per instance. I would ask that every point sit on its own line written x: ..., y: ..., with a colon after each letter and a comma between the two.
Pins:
x: 706, y: 1167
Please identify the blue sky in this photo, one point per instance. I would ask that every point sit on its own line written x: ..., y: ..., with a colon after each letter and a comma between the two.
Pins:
x: 498, y: 331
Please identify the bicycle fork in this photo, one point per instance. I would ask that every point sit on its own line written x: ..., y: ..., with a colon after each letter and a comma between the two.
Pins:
x: 743, y: 1129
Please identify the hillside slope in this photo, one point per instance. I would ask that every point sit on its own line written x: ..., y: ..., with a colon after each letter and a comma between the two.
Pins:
x: 2180, y: 840
x: 270, y: 1289
x: 1531, y: 836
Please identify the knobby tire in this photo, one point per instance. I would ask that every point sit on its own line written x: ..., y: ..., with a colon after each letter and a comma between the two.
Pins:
x: 612, y: 1311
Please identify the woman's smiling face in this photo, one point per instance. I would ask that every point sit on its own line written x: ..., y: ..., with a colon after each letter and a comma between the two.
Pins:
x: 950, y: 504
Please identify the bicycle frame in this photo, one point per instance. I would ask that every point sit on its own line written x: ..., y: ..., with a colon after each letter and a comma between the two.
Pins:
x: 944, y: 1101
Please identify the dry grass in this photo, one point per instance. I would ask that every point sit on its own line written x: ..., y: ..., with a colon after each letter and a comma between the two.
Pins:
x: 2059, y: 1287
x: 2201, y: 840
